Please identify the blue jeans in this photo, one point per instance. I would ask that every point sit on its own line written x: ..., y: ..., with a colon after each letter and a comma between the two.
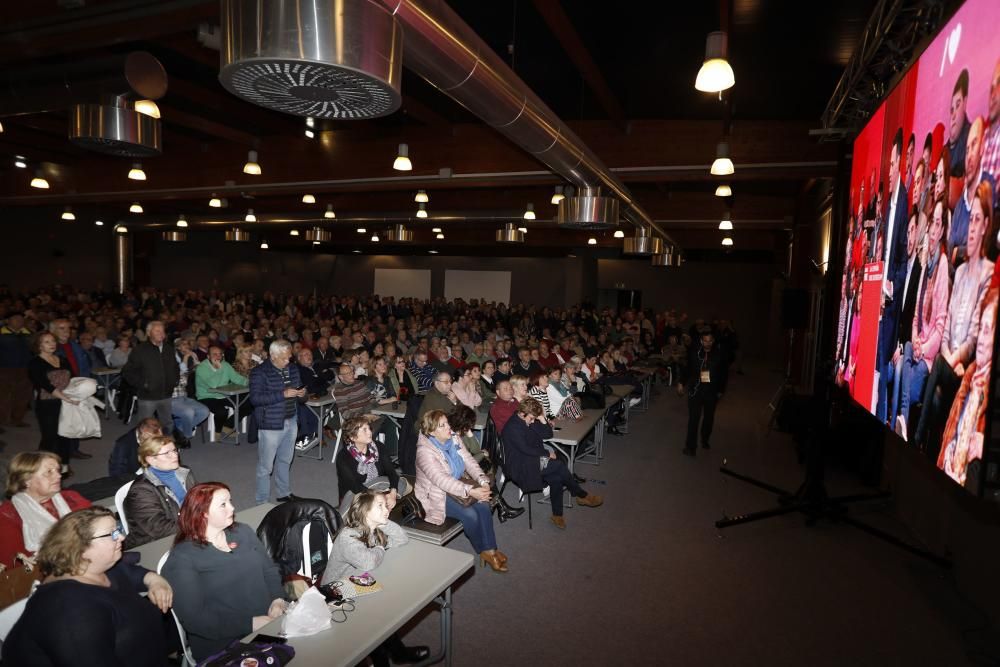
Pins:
x: 914, y: 378
x: 187, y: 413
x: 275, y: 450
x: 477, y: 521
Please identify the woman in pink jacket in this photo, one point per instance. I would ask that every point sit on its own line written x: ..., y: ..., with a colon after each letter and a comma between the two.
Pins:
x: 928, y: 320
x: 441, y: 461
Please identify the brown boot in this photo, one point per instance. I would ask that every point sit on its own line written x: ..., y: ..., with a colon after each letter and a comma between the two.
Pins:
x: 490, y: 558
x: 559, y: 522
x: 590, y: 500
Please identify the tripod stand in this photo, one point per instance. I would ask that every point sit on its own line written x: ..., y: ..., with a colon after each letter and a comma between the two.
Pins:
x: 811, y: 499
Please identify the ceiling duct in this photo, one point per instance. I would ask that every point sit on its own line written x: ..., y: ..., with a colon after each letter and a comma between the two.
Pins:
x: 318, y: 58
x: 588, y: 210
x: 318, y: 234
x: 445, y: 51
x: 399, y: 234
x: 672, y: 257
x: 114, y: 129
x: 237, y: 234
x: 643, y: 244
x: 175, y: 237
x: 136, y: 75
x: 510, y: 234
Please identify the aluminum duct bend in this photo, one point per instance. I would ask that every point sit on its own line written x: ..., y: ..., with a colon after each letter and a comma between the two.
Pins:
x: 440, y: 47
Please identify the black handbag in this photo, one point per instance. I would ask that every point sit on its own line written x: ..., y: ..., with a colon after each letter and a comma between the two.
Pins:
x: 410, y: 509
x: 261, y: 654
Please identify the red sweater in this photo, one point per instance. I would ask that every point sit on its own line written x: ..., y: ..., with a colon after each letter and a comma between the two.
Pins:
x: 11, y: 536
x: 501, y: 411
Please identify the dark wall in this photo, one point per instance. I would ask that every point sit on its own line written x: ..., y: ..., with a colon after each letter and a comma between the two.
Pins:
x: 36, y: 253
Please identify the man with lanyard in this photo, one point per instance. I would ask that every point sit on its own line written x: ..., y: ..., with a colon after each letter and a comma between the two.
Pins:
x: 705, y: 382
x: 79, y: 362
x: 275, y: 390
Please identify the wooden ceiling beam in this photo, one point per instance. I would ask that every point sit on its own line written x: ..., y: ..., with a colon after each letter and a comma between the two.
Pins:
x: 567, y: 36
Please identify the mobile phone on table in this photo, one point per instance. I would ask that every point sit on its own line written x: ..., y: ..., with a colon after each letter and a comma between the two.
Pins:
x: 270, y: 639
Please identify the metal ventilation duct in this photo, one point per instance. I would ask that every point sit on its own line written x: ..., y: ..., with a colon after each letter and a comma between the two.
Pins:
x: 442, y: 49
x: 588, y: 210
x: 399, y: 234
x: 509, y: 234
x: 672, y: 257
x: 643, y: 244
x: 237, y: 234
x: 318, y: 58
x: 175, y: 237
x: 318, y: 234
x: 114, y: 129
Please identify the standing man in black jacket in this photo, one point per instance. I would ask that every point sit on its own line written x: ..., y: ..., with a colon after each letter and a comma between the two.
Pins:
x: 153, y: 371
x: 707, y: 372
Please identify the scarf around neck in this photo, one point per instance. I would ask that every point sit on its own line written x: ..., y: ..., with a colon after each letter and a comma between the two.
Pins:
x: 366, y: 461
x: 451, y: 454
x: 35, y: 519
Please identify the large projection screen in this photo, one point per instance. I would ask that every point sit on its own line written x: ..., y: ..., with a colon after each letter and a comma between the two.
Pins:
x: 400, y: 283
x: 482, y: 285
x: 919, y: 291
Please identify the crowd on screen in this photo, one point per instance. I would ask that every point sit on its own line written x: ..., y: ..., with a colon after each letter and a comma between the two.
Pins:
x: 527, y: 367
x: 933, y: 224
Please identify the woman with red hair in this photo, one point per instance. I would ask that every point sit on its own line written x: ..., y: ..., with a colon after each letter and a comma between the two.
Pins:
x: 225, y: 584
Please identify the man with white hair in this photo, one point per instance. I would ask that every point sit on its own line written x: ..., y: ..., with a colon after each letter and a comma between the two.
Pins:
x: 275, y: 390
x: 153, y: 372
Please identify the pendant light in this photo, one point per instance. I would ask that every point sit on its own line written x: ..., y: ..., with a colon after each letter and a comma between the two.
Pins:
x: 727, y: 241
x: 136, y: 207
x: 294, y: 232
x: 529, y: 211
x: 263, y: 245
x: 362, y: 230
x: 68, y: 214
x: 308, y: 199
x: 421, y: 210
x: 250, y: 217
x: 329, y: 214
x: 436, y: 230
x: 375, y: 237
x: 421, y: 197
x: 591, y: 241
x: 19, y: 162
x: 39, y: 181
x: 440, y: 236
x: 182, y: 221
x: 402, y: 162
x: 251, y: 167
x: 215, y: 202
x: 726, y: 224
x: 715, y: 74
x: 724, y: 191
x: 99, y: 223
x: 523, y: 230
x: 558, y: 195
x: 722, y: 166
x: 147, y: 108
x: 619, y: 234
x: 136, y: 173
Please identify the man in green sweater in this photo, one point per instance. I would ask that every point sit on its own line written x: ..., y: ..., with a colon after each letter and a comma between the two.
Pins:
x: 212, y: 373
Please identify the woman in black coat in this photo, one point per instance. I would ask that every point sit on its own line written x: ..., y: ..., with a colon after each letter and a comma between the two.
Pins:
x: 360, y: 463
x: 532, y: 466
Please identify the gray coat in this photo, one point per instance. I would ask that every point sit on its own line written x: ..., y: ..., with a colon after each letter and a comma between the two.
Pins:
x: 350, y: 556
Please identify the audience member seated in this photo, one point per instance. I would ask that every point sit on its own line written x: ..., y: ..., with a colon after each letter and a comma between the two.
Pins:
x: 125, y: 453
x: 35, y: 503
x: 225, y: 584
x: 462, y: 420
x: 379, y: 383
x: 352, y: 395
x: 212, y: 373
x: 187, y: 412
x: 466, y: 389
x: 534, y: 465
x: 155, y: 497
x: 360, y: 465
x: 440, y: 397
x: 315, y: 377
x: 503, y: 371
x: 244, y: 361
x: 401, y: 378
x: 359, y: 549
x: 442, y: 462
x: 561, y: 401
x: 422, y: 371
x: 88, y: 610
x: 505, y: 406
x: 94, y: 354
x: 119, y: 356
x: 525, y: 365
x: 486, y: 379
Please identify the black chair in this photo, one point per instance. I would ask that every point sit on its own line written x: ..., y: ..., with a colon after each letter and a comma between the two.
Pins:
x: 501, y: 462
x: 280, y: 532
x: 408, y: 436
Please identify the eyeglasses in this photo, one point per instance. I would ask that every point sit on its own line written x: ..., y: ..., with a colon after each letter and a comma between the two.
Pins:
x: 115, y: 535
x: 169, y: 452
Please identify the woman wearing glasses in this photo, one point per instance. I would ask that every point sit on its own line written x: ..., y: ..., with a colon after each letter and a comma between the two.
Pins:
x: 37, y: 501
x: 155, y: 498
x: 88, y: 610
x: 226, y: 585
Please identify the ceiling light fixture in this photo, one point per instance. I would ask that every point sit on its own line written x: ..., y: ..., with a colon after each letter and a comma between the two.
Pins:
x: 315, y: 242
x: 715, y: 74
x: 99, y: 223
x: 421, y: 210
x: 726, y: 224
x: 523, y: 230
x: 421, y: 197
x: 39, y: 181
x: 722, y: 166
x: 529, y: 211
x: 251, y: 167
x: 591, y: 241
x: 215, y: 202
x: 558, y: 195
x: 121, y: 229
x: 68, y: 214
x: 308, y: 199
x: 310, y: 121
x: 439, y: 237
x: 136, y: 207
x: 724, y: 191
x: 619, y: 234
x: 294, y: 232
x: 148, y: 108
x: 263, y: 245
x: 19, y: 162
x: 310, y: 134
x: 727, y: 241
x: 402, y: 162
x: 362, y: 230
x: 136, y: 173
x: 375, y: 237
x: 433, y: 252
x: 436, y: 230
x: 329, y: 214
x: 1, y: 127
x: 250, y: 217
x: 182, y: 221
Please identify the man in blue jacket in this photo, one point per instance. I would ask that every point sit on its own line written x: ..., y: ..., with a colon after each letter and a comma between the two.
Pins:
x: 275, y: 391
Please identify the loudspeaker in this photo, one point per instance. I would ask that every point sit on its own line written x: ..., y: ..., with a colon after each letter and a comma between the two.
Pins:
x: 794, y: 308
